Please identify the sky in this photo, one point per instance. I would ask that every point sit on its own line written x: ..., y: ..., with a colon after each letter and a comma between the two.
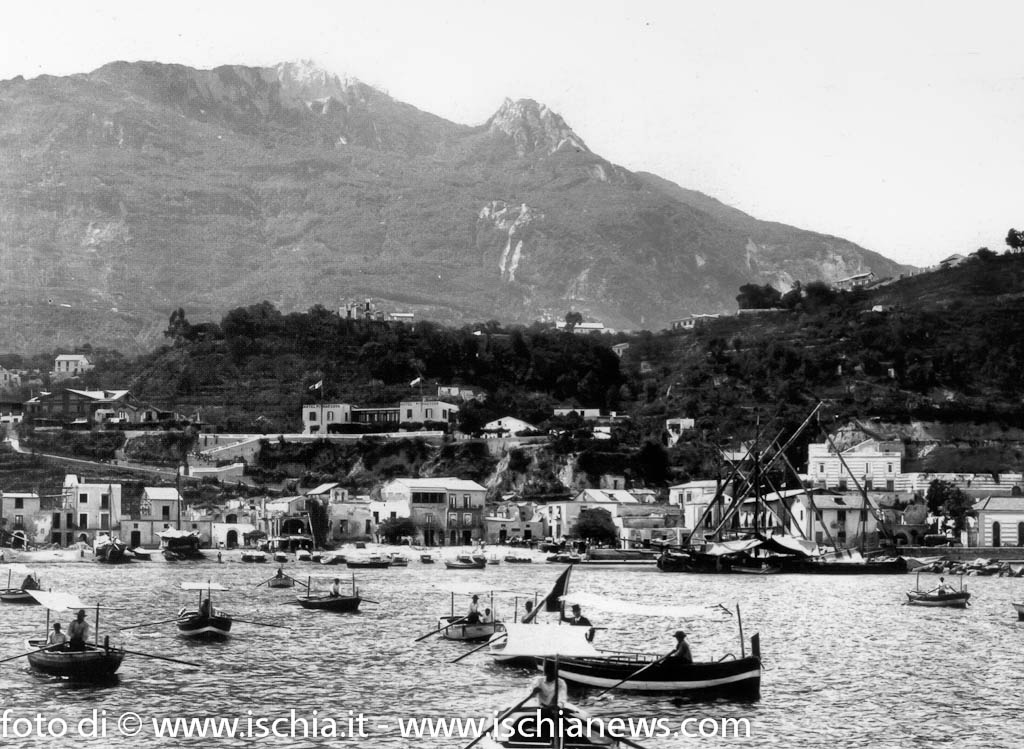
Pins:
x: 896, y: 125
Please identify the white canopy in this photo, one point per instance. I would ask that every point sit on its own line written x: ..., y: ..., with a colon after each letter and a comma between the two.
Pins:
x: 203, y: 586
x: 19, y: 569
x: 547, y: 640
x: 731, y: 547
x: 175, y: 533
x: 478, y: 589
x: 619, y: 606
x: 57, y: 601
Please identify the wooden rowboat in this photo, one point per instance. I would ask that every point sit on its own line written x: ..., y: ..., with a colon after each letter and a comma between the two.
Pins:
x: 467, y: 632
x: 281, y: 582
x: 956, y: 600
x: 534, y: 728
x: 95, y: 663
x: 203, y: 622
x: 329, y: 602
x: 466, y: 562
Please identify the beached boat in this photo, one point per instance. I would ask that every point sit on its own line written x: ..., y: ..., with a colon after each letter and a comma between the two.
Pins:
x: 397, y: 560
x: 513, y: 559
x: 333, y: 559
x: 465, y: 562
x: 426, y: 559
x: 280, y: 557
x: 372, y: 562
x: 183, y: 544
x: 570, y: 557
x: 254, y: 557
x: 204, y: 621
x: 143, y: 555
x: 110, y: 550
x: 303, y: 555
x: 493, y: 560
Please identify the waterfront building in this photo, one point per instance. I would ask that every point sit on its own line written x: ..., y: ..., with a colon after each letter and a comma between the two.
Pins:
x: 85, y: 510
x: 875, y: 465
x: 445, y: 510
x: 1000, y: 521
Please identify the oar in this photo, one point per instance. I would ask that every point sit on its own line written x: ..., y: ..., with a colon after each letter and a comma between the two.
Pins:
x: 258, y: 624
x: 150, y: 624
x: 160, y: 657
x: 474, y: 650
x: 367, y: 600
x: 497, y: 721
x: 634, y: 675
x: 39, y: 650
x: 627, y: 742
x: 439, y: 629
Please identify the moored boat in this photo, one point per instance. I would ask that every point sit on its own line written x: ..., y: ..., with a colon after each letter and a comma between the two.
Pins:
x: 20, y: 594
x: 280, y: 557
x: 303, y: 555
x: 329, y: 601
x: 95, y: 663
x: 513, y: 559
x: 397, y: 560
x: 255, y: 557
x: 426, y: 559
x: 956, y: 600
x: 466, y: 562
x: 372, y: 562
x: 333, y: 559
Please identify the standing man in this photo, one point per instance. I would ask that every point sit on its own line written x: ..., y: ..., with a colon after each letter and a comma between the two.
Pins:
x: 78, y: 632
x: 578, y: 620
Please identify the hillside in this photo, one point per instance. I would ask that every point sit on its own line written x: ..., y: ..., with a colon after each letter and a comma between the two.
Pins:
x: 142, y: 187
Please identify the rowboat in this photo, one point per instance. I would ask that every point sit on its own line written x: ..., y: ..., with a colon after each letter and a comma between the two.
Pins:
x: 955, y: 600
x: 333, y: 559
x: 281, y: 582
x: 204, y: 621
x: 493, y: 560
x: 426, y: 559
x: 20, y: 595
x: 140, y: 554
x: 257, y: 557
x: 373, y: 562
x: 110, y: 550
x: 95, y: 663
x: 511, y: 559
x: 450, y: 630
x: 397, y: 560
x: 1020, y: 610
x: 466, y: 562
x: 280, y: 557
x: 303, y: 555
x: 329, y: 602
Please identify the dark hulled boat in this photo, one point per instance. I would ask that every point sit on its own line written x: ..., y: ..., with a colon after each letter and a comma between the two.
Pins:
x: 95, y: 663
x: 204, y: 621
x: 955, y: 600
x: 327, y: 602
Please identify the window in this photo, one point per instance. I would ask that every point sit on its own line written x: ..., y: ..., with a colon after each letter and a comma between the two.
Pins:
x: 430, y: 413
x: 996, y: 534
x: 453, y: 518
x: 83, y: 499
x: 453, y: 500
x: 466, y: 501
x: 104, y: 501
x: 888, y: 467
x: 821, y: 467
x: 165, y: 512
x: 19, y: 521
x: 19, y: 503
x: 864, y: 516
x: 467, y: 518
x: 394, y: 515
x: 83, y: 520
x: 330, y: 415
x: 408, y: 413
x: 104, y: 521
x: 841, y: 517
x: 890, y: 485
x: 376, y: 517
x: 868, y: 484
x: 56, y: 520
x: 368, y: 527
x: 312, y: 416
x: 842, y: 485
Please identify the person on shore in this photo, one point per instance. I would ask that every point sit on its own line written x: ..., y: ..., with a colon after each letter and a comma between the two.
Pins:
x: 336, y: 588
x: 78, y: 632
x: 473, y: 614
x: 56, y: 636
x: 682, y: 653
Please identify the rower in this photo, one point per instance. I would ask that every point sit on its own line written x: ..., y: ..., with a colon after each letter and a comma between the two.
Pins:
x: 473, y: 615
x: 205, y: 608
x: 78, y: 632
x: 550, y: 689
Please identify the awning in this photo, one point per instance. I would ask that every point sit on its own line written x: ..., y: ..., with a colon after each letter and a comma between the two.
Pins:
x: 175, y: 533
x: 203, y: 586
x: 790, y: 545
x: 547, y: 641
x: 57, y: 601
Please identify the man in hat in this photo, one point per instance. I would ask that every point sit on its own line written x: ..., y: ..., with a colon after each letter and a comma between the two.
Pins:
x: 578, y: 620
x: 473, y: 614
x: 78, y: 632
x: 682, y: 652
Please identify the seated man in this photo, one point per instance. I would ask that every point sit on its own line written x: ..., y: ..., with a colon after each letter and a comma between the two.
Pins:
x: 56, y: 636
x: 682, y: 653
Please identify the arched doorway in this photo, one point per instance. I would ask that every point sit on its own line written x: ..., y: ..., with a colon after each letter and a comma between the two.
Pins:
x: 232, y: 539
x: 996, y: 541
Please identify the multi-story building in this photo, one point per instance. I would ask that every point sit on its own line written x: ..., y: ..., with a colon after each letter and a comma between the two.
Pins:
x: 90, y: 407
x: 444, y: 510
x: 86, y: 509
x: 873, y: 463
x: 19, y: 518
x: 70, y: 365
x: 317, y: 418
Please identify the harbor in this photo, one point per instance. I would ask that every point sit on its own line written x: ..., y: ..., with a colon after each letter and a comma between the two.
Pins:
x: 843, y: 660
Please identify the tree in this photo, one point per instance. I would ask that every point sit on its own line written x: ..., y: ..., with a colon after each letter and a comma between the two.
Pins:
x: 947, y: 499
x: 596, y: 524
x: 1015, y: 240
x: 752, y: 296
x: 178, y: 327
x: 393, y: 529
x: 572, y: 319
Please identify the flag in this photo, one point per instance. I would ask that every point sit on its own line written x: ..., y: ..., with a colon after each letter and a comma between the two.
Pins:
x: 318, y: 385
x: 561, y: 587
x: 416, y: 381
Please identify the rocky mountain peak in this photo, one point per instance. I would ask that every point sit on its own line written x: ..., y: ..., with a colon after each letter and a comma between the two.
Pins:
x: 307, y: 81
x: 534, y: 128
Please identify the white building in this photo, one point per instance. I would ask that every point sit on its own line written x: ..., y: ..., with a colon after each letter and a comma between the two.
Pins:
x: 560, y: 517
x: 70, y: 365
x: 22, y: 518
x: 694, y: 497
x: 421, y: 410
x: 445, y: 510
x: 873, y: 463
x: 676, y: 427
x: 507, y: 426
x: 317, y: 417
x: 1000, y: 521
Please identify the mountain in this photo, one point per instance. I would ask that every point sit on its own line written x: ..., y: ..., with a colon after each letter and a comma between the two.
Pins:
x: 142, y: 187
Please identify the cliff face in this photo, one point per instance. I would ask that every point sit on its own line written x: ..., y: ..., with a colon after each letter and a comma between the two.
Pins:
x: 141, y: 187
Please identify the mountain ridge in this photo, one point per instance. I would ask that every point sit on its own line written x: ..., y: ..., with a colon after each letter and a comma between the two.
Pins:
x: 141, y: 187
